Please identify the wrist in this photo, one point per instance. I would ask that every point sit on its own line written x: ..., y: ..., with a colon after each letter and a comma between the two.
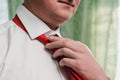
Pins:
x: 102, y: 77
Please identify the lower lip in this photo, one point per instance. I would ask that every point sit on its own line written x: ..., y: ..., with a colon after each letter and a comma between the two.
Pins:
x: 66, y: 4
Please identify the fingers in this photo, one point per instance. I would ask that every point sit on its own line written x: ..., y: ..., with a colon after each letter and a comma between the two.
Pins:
x: 75, y: 55
x: 63, y: 42
x: 53, y: 38
x: 66, y: 47
x: 67, y: 62
x: 65, y: 52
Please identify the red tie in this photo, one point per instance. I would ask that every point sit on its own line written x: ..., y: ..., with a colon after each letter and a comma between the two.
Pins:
x: 42, y: 38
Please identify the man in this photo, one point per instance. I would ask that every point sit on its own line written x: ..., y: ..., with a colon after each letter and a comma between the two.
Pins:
x: 23, y: 57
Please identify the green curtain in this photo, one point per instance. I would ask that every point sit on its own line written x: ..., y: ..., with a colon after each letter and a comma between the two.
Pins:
x: 12, y: 5
x: 95, y: 24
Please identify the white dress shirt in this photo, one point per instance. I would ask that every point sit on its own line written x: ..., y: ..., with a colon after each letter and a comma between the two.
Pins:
x: 22, y: 57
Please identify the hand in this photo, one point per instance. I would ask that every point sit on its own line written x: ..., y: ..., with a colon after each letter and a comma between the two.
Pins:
x: 78, y: 57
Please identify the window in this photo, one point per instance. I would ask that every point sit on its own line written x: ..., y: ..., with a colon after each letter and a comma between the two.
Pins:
x: 3, y: 11
x: 118, y: 57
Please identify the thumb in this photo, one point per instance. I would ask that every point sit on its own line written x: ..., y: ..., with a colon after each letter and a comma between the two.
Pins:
x: 53, y: 38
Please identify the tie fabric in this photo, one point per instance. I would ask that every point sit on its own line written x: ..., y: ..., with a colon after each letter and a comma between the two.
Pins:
x: 43, y: 39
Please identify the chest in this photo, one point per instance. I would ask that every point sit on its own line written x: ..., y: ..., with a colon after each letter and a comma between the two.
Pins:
x: 27, y: 59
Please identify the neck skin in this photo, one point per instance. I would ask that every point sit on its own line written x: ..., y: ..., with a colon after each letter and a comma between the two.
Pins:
x: 52, y: 23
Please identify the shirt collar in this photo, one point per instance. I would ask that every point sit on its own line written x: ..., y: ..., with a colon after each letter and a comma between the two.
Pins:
x: 34, y: 25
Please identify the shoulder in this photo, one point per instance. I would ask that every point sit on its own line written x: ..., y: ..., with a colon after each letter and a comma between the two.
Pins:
x: 5, y: 31
x: 6, y: 26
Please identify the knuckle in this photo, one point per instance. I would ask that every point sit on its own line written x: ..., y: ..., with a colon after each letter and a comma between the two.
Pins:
x: 63, y: 62
x: 63, y: 50
x: 53, y: 37
x: 66, y: 42
x: 84, y: 45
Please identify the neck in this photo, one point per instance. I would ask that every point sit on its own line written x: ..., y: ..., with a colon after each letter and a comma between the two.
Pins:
x: 51, y: 24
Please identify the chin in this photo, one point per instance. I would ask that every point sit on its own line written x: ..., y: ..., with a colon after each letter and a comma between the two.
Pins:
x: 65, y: 17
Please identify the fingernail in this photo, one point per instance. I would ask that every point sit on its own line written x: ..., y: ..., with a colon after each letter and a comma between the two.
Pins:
x: 47, y: 45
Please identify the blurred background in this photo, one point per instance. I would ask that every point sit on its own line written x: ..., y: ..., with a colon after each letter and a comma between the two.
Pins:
x: 96, y: 23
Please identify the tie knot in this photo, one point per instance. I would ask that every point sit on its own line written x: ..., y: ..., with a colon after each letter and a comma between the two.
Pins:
x: 44, y: 37
x: 51, y: 33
